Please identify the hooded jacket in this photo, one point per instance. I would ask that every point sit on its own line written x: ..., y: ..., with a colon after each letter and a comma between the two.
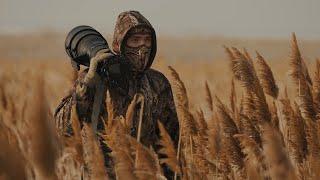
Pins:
x: 127, y: 21
x: 153, y: 85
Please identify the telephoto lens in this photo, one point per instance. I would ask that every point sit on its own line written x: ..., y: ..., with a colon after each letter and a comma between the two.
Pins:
x: 82, y: 43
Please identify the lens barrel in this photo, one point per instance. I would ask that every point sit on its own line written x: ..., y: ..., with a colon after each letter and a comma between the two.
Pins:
x: 83, y: 42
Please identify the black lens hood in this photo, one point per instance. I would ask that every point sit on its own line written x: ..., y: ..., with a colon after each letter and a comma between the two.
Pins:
x: 83, y: 42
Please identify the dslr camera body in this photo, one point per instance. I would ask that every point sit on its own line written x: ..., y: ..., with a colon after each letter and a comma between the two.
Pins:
x: 84, y: 42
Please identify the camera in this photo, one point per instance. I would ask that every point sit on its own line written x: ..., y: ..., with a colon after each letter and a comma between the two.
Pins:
x: 83, y: 42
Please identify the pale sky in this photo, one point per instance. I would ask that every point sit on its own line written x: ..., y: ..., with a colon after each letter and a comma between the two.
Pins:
x: 230, y: 18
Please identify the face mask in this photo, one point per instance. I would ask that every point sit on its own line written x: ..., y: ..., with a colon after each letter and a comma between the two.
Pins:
x: 138, y: 57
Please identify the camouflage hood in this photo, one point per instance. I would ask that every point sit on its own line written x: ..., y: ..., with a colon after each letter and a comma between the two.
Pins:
x: 125, y: 22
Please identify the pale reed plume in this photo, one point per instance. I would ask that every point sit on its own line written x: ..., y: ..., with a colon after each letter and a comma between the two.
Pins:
x: 124, y: 164
x: 110, y: 109
x: 230, y: 146
x: 265, y: 75
x: 117, y: 139
x: 181, y: 91
x: 233, y: 97
x: 146, y: 162
x: 75, y: 140
x: 13, y: 164
x: 71, y: 161
x: 247, y: 104
x: 202, y: 126
x: 245, y: 73
x: 137, y: 99
x: 233, y: 104
x: 15, y: 139
x: 312, y: 138
x: 254, y: 161
x: 203, y: 166
x: 299, y: 77
x: 188, y: 137
x: 216, y: 154
x: 247, y: 55
x: 289, y: 126
x: 248, y: 107
x: 243, y: 70
x: 186, y: 119
x: 143, y: 164
x: 304, y: 98
x: 130, y: 111
x: 209, y: 97
x: 274, y: 115
x: 201, y: 147
x: 249, y: 128
x: 306, y: 72
x: 301, y: 129
x: 276, y: 158
x: 214, y: 139
x: 228, y: 52
x: 167, y: 149
x: 92, y: 154
x: 299, y: 67
x: 43, y: 140
x: 254, y: 94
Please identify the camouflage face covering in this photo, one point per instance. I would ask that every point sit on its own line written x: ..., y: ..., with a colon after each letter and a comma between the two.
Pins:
x: 138, y: 57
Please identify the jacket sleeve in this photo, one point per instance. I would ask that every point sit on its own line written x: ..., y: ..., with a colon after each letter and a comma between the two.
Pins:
x: 82, y: 96
x: 169, y: 116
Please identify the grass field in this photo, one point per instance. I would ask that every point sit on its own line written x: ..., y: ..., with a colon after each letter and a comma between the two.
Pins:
x: 241, y: 116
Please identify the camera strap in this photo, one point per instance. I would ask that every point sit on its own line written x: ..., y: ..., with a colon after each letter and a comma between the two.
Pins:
x: 98, y: 98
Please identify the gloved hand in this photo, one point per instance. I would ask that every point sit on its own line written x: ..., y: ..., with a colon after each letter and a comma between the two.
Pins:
x: 92, y: 76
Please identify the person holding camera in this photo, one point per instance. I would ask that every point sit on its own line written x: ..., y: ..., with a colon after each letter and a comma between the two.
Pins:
x: 134, y: 42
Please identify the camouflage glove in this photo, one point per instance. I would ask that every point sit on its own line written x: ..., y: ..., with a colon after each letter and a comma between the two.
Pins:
x: 92, y: 76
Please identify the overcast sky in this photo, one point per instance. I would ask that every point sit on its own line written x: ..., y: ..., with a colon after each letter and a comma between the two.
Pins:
x: 231, y: 18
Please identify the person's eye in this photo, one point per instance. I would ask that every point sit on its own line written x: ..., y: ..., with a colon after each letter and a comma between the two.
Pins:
x: 133, y: 40
x: 148, y: 41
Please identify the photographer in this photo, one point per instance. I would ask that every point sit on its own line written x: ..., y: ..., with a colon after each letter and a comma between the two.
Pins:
x: 135, y: 41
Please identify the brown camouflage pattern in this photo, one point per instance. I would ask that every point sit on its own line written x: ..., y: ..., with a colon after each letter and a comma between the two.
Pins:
x: 156, y: 89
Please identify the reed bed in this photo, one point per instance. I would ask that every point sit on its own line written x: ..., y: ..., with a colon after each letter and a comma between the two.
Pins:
x: 259, y: 132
